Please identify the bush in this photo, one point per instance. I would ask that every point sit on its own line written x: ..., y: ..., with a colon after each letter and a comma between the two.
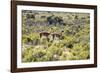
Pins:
x: 38, y: 54
x: 27, y: 55
x: 66, y: 56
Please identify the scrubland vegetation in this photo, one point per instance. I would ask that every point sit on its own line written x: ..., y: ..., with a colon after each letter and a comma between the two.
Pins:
x: 55, y: 36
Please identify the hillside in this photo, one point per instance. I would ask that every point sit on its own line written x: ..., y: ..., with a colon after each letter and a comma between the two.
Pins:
x: 55, y: 36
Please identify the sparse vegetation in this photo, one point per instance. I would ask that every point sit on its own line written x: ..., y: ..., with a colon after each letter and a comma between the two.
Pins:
x: 55, y: 36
